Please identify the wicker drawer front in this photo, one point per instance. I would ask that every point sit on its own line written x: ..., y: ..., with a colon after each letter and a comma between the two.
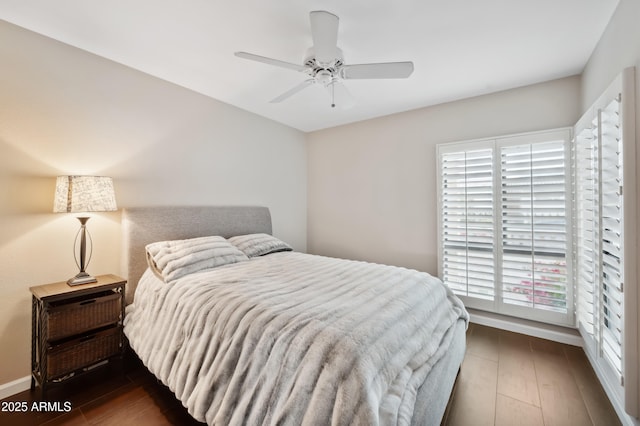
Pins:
x: 83, y: 352
x: 72, y: 318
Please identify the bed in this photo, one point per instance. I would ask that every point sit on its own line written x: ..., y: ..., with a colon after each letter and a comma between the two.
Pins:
x: 281, y: 337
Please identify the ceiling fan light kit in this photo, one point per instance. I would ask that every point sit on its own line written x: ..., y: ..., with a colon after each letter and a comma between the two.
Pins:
x: 324, y: 63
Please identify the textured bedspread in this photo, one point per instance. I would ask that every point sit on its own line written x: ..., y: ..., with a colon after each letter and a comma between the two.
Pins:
x: 291, y: 339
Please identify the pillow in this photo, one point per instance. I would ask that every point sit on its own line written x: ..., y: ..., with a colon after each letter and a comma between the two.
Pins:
x: 254, y: 245
x: 170, y: 260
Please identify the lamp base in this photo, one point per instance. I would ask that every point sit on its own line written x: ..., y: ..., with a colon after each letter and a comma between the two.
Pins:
x: 81, y: 278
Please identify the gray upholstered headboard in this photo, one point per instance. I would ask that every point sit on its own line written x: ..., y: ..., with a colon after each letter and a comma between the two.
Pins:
x: 144, y: 225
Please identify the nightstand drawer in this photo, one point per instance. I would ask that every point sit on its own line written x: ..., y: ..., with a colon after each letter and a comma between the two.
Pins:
x: 83, y: 351
x: 77, y: 315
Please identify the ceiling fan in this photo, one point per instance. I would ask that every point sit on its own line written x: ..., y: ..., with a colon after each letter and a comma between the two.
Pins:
x: 324, y: 63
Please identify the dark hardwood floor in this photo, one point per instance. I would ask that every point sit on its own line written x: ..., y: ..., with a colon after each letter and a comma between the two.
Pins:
x: 506, y: 379
x: 118, y: 395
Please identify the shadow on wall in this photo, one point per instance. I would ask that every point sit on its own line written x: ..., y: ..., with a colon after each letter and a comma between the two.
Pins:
x: 27, y: 186
x: 16, y: 333
x: 24, y: 180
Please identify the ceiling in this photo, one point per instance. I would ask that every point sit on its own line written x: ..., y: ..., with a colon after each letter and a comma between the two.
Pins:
x: 460, y: 48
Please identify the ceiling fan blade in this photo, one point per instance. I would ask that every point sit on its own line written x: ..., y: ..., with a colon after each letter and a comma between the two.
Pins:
x: 292, y: 91
x: 382, y: 70
x: 340, y: 95
x: 270, y: 61
x: 324, y: 31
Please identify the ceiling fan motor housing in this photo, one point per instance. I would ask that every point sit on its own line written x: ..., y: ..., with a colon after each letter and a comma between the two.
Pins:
x: 323, y: 73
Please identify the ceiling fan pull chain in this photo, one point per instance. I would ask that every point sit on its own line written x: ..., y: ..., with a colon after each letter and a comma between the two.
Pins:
x: 333, y: 95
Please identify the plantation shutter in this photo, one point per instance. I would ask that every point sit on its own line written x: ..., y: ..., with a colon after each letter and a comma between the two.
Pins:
x: 605, y: 249
x: 534, y: 226
x: 586, y: 248
x: 467, y: 212
x: 598, y: 175
x: 611, y: 233
x: 503, y: 231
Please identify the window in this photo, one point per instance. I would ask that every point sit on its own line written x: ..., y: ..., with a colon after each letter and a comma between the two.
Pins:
x: 544, y: 228
x: 598, y: 177
x: 604, y: 211
x: 505, y: 232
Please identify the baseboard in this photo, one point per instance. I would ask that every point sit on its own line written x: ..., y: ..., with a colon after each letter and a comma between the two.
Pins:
x: 14, y: 387
x: 626, y: 419
x: 568, y: 336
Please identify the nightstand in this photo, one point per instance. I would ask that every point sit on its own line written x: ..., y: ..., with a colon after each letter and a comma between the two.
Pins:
x: 75, y: 329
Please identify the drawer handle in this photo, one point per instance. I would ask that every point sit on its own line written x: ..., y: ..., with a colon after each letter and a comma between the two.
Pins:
x: 87, y: 338
x: 87, y: 302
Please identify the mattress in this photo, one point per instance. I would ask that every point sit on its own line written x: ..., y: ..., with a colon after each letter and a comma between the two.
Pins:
x: 291, y: 338
x: 436, y: 391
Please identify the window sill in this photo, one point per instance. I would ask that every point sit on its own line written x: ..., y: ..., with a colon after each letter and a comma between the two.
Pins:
x: 556, y: 333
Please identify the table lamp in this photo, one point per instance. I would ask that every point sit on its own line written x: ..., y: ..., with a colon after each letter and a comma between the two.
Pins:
x: 80, y: 194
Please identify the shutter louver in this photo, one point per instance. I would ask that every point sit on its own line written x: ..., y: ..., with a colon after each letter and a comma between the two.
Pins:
x: 467, y: 223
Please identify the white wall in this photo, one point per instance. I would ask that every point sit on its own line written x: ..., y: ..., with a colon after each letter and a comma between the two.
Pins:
x: 65, y: 111
x: 372, y: 185
x: 618, y: 49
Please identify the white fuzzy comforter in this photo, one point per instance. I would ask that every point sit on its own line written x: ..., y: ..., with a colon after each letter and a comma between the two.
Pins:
x: 292, y: 339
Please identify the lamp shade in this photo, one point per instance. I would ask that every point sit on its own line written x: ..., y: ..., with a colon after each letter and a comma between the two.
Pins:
x: 84, y: 194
